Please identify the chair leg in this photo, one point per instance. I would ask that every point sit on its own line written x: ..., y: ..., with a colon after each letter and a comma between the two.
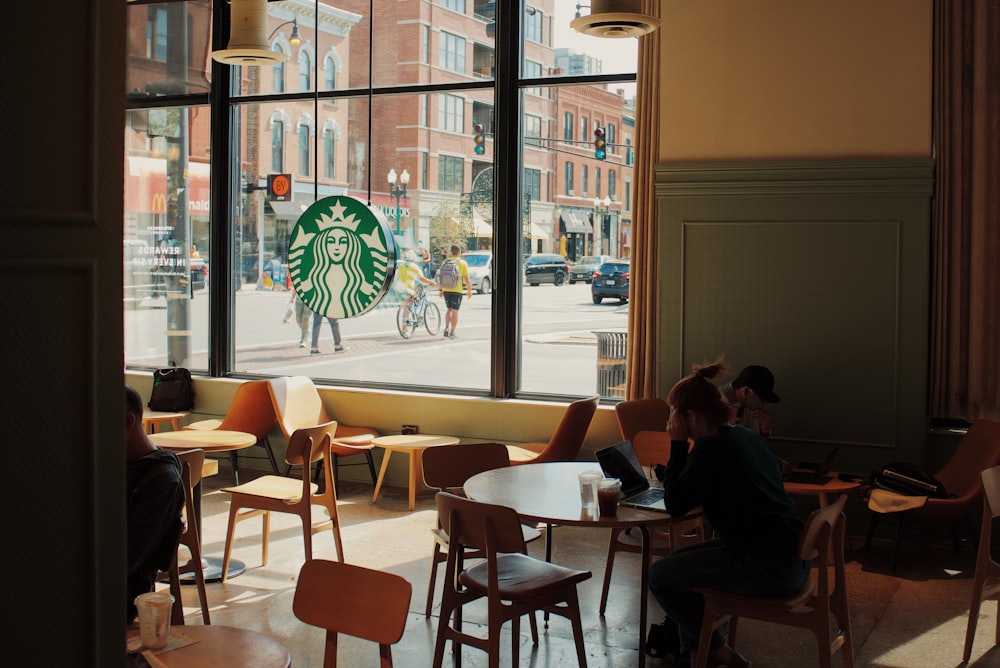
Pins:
x: 234, y: 461
x: 371, y: 465
x: 895, y: 544
x: 871, y: 529
x: 230, y: 532
x: 336, y: 472
x: 609, y: 564
x: 573, y: 609
x: 435, y: 560
x: 266, y: 442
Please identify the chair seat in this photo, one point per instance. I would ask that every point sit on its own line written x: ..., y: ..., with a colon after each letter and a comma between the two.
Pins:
x: 272, y: 487
x: 204, y: 425
x: 529, y: 533
x: 524, y: 452
x: 522, y: 577
x: 800, y: 600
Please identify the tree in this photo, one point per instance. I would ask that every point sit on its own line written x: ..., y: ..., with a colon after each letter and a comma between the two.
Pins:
x: 448, y: 228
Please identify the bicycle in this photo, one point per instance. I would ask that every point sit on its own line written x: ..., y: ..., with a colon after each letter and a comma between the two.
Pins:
x: 421, y: 311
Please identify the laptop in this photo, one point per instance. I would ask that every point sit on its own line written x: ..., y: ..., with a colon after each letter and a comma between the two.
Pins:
x: 620, y: 461
x: 812, y: 473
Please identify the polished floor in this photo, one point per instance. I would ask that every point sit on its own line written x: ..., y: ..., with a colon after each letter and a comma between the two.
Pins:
x: 915, y: 618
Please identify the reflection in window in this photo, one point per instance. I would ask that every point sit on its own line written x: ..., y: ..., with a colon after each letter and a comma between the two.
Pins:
x: 532, y: 70
x: 156, y: 34
x: 597, y: 181
x: 451, y: 170
x: 569, y: 177
x: 452, y: 52
x: 303, y: 149
x: 532, y: 130
x: 329, y: 151
x: 568, y: 126
x: 305, y: 70
x: 451, y: 113
x: 533, y: 24
x: 584, y: 188
x: 611, y: 183
x: 611, y: 137
x: 277, y: 146
x: 457, y: 5
x: 533, y: 185
x: 584, y: 128
x: 278, y: 72
x: 329, y: 74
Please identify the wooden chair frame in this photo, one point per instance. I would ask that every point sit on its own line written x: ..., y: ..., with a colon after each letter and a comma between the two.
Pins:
x: 817, y: 604
x: 191, y: 467
x: 566, y: 441
x: 279, y: 494
x: 354, y: 600
x: 985, y: 583
x: 514, y: 583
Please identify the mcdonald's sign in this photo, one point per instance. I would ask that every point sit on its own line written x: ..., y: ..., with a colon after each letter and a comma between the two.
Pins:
x: 159, y: 203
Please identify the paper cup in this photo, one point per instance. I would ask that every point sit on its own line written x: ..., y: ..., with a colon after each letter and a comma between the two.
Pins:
x: 154, y: 618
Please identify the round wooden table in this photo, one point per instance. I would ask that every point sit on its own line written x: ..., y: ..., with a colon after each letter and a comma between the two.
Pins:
x: 216, y: 647
x: 550, y: 493
x: 217, y: 440
x: 151, y: 420
x: 412, y: 444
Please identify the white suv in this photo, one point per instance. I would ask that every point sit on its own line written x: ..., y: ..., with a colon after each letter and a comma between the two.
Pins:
x: 480, y: 270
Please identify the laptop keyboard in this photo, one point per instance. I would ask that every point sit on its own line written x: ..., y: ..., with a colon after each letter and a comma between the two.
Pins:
x: 649, y: 496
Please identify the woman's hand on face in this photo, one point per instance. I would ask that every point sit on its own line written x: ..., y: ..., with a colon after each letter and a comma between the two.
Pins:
x: 677, y: 427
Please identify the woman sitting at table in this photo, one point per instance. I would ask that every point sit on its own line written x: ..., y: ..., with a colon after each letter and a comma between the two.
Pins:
x: 736, y: 479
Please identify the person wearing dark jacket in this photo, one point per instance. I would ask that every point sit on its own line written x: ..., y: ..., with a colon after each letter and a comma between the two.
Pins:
x: 735, y: 478
x: 154, y: 498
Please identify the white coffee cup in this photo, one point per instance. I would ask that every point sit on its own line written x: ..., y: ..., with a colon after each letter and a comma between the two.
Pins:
x: 154, y: 618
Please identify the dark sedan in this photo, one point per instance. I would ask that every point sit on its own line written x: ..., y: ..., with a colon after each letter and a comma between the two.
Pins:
x: 611, y: 281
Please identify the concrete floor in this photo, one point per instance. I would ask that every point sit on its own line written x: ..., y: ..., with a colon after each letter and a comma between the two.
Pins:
x: 915, y: 618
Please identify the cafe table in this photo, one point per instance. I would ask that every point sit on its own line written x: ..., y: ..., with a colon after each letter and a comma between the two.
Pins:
x: 211, y: 647
x: 152, y: 420
x: 826, y: 492
x: 412, y: 445
x: 550, y: 493
x: 216, y: 440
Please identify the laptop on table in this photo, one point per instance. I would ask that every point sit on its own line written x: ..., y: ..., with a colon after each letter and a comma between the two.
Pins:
x: 620, y: 461
x: 812, y: 473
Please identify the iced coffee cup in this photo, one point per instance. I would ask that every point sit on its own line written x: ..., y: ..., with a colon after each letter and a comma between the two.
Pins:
x: 608, y: 491
x: 154, y: 618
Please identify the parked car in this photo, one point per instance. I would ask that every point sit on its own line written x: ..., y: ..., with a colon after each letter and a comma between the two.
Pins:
x: 611, y: 280
x: 545, y: 268
x: 480, y: 270
x: 585, y: 268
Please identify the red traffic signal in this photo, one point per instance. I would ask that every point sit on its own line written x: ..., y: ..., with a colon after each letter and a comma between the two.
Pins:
x: 600, y: 144
x: 479, y: 138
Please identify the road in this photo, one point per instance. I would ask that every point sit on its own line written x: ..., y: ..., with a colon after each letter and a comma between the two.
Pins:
x: 558, y: 354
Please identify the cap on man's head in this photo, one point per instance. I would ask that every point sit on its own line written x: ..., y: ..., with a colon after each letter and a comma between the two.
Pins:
x: 760, y: 380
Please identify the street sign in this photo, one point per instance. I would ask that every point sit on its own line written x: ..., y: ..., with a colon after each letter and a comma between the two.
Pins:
x: 279, y: 187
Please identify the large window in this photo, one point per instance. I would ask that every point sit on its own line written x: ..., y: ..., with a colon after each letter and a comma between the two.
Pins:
x: 409, y: 151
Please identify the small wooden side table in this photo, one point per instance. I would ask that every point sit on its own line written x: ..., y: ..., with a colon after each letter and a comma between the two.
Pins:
x: 414, y: 444
x: 152, y: 420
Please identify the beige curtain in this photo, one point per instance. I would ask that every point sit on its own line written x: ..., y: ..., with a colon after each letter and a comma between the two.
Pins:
x: 644, y: 288
x: 965, y: 322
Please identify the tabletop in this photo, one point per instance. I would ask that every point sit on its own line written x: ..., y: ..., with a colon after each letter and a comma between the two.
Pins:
x: 554, y: 497
x: 195, y: 646
x: 217, y: 440
x: 404, y: 441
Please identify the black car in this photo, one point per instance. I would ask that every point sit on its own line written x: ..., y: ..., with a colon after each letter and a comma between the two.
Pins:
x: 610, y: 280
x: 545, y: 268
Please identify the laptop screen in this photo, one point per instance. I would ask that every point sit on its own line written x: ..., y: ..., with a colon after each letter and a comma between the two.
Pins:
x: 620, y: 461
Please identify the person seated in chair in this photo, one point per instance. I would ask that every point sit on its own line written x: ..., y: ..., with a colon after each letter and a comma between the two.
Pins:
x: 737, y: 482
x: 748, y: 394
x: 154, y: 498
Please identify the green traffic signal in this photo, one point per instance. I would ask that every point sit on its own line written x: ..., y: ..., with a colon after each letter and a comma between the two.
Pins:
x: 479, y: 138
x: 600, y: 144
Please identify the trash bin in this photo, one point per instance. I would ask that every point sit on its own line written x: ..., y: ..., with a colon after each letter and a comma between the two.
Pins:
x: 611, y: 349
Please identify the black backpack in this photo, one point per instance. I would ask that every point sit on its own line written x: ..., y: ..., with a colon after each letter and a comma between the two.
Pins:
x: 172, y: 390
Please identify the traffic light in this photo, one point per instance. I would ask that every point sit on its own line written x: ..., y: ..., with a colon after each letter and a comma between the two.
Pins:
x: 479, y: 138
x: 600, y: 145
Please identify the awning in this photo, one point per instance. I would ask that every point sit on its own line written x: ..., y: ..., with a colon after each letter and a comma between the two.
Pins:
x: 573, y: 225
x: 480, y: 228
x: 538, y: 232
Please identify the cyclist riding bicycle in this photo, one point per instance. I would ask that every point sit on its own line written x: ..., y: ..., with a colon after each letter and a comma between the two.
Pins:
x: 409, y: 274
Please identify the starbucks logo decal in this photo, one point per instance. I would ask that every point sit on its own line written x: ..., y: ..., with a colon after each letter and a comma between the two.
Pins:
x: 342, y: 257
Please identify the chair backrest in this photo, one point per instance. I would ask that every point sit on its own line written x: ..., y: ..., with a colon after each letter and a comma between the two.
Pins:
x: 642, y: 415
x: 479, y: 526
x: 991, y: 487
x: 567, y: 440
x: 192, y: 462
x: 296, y: 403
x: 978, y: 450
x: 358, y: 601
x: 450, y: 466
x: 309, y: 444
x: 251, y: 410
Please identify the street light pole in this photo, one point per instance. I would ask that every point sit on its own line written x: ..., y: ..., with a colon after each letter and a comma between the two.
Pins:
x: 602, y: 207
x: 398, y: 192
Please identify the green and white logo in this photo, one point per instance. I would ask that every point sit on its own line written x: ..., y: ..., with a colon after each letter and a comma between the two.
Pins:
x: 342, y: 257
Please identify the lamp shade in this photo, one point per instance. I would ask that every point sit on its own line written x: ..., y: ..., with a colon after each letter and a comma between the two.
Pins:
x: 248, y: 36
x: 615, y: 19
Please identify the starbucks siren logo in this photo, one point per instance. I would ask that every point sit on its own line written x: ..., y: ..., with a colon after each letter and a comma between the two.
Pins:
x: 342, y: 257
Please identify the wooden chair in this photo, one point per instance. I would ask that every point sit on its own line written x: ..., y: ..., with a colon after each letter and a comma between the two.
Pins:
x: 513, y: 583
x: 279, y: 494
x: 644, y: 422
x: 447, y: 468
x: 566, y: 441
x: 191, y: 467
x: 815, y: 606
x: 358, y: 601
x: 986, y: 583
x: 251, y: 411
x: 297, y: 404
x: 978, y: 450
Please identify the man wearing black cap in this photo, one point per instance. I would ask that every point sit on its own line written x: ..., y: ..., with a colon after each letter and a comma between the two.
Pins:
x: 747, y: 394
